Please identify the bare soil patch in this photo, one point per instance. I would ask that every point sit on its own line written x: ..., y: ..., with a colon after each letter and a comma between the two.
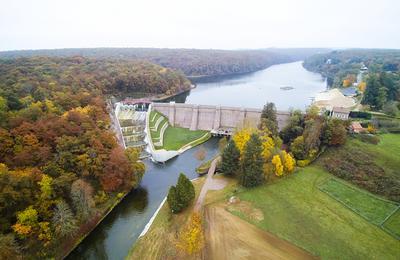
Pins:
x: 247, y: 209
x: 229, y: 237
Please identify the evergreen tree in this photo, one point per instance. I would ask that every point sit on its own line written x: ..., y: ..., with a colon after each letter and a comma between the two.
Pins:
x: 179, y: 197
x: 268, y: 118
x: 173, y: 200
x: 252, y: 165
x: 185, y: 190
x: 230, y: 159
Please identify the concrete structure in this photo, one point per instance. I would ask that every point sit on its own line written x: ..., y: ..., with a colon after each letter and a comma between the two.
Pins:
x: 209, y: 118
x: 340, y: 112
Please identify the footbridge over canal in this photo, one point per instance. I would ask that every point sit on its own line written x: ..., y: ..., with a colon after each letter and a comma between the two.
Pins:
x: 217, y: 119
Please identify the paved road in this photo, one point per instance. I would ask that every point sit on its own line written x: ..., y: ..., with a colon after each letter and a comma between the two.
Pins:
x: 210, y: 184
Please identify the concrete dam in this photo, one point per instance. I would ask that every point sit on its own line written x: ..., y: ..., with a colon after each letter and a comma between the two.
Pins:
x: 204, y: 117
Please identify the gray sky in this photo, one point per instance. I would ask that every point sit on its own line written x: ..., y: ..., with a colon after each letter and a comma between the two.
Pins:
x: 217, y: 24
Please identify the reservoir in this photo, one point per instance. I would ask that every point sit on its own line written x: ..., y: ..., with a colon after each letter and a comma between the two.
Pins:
x: 115, y: 235
x: 288, y: 85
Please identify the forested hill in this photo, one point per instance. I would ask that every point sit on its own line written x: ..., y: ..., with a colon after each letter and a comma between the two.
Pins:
x: 336, y: 65
x: 380, y: 83
x: 61, y: 167
x: 29, y: 76
x: 192, y: 62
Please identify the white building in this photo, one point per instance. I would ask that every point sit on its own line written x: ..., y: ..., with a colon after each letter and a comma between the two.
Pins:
x: 340, y: 113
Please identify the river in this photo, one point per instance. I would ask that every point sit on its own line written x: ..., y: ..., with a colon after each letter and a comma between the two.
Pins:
x: 115, y: 235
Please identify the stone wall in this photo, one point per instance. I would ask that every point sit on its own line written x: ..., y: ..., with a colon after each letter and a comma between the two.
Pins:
x: 202, y: 117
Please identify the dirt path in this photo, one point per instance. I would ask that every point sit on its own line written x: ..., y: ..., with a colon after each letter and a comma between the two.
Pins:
x: 210, y: 184
x: 229, y: 237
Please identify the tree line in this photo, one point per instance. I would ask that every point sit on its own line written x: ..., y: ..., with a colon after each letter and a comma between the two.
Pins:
x: 192, y: 62
x: 253, y: 155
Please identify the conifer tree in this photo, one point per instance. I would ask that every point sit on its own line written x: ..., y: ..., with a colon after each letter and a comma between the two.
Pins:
x: 252, y: 165
x: 173, y: 200
x: 185, y: 190
x: 230, y: 159
x: 268, y: 118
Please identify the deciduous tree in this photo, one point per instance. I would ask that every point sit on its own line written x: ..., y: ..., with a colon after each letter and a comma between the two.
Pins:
x: 277, y: 163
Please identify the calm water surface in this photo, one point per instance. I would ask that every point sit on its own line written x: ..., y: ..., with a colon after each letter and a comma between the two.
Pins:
x: 255, y: 89
x: 113, y: 238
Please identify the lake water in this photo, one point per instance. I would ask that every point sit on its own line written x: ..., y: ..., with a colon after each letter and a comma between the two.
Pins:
x: 255, y: 89
x: 113, y: 238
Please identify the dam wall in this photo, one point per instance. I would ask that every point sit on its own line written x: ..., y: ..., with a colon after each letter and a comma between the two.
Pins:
x: 205, y: 117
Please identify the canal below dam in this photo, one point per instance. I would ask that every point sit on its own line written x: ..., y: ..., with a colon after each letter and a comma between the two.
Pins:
x: 115, y: 235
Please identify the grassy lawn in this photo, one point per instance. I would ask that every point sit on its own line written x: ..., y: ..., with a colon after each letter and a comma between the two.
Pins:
x: 367, y: 205
x: 175, y: 137
x: 388, y: 152
x: 371, y: 167
x: 393, y: 224
x: 296, y: 210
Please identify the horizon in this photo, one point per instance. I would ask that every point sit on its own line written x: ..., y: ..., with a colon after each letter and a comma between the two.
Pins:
x: 183, y: 48
x: 221, y: 25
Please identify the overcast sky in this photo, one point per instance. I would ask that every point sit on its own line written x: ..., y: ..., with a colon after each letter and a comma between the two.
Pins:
x: 217, y: 24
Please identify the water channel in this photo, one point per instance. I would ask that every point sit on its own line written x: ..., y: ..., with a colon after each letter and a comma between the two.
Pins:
x: 113, y: 238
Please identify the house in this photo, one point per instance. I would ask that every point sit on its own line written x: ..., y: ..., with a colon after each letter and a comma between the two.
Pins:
x: 356, y: 127
x: 340, y: 113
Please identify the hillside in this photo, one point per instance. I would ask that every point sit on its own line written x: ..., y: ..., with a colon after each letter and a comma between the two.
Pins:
x: 336, y: 65
x: 192, y: 62
x: 61, y: 168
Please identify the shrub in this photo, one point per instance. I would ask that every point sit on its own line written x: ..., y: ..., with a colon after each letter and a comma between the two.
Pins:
x: 368, y: 138
x: 303, y: 163
x: 358, y: 167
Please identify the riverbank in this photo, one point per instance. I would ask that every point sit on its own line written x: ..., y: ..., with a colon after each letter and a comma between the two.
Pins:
x: 118, y: 198
x: 217, y: 77
x: 160, y: 240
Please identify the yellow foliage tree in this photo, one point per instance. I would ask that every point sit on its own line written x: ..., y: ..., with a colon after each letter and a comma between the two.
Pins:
x: 277, y: 163
x: 362, y: 86
x: 371, y: 129
x: 191, y: 239
x: 268, y: 145
x: 45, y: 186
x: 288, y: 162
x: 242, y: 136
x: 27, y: 220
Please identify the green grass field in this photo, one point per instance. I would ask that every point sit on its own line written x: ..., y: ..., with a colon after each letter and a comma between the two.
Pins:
x: 374, y: 209
x: 393, y: 224
x: 175, y: 137
x: 296, y: 210
x: 387, y: 152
